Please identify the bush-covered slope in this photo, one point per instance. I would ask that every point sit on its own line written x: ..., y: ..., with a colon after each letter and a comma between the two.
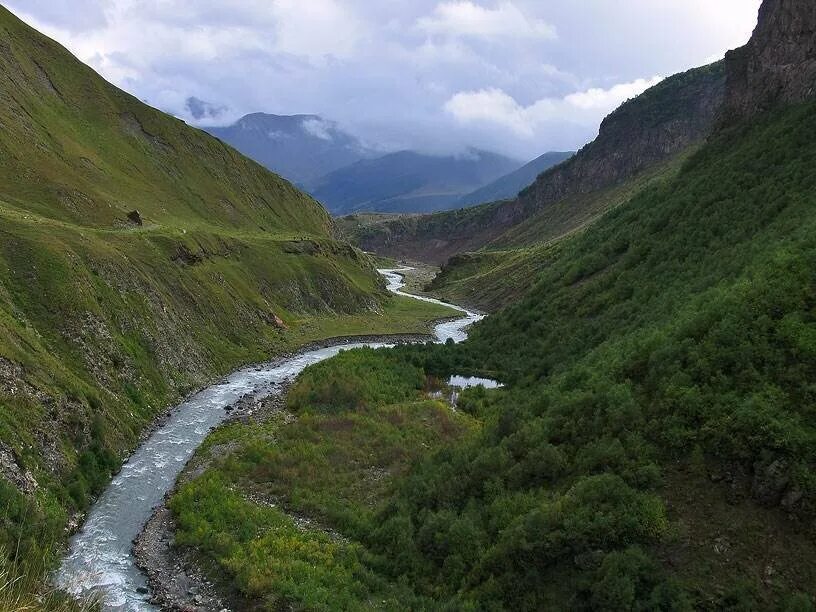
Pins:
x: 355, y: 424
x: 662, y: 364
x: 105, y: 319
x: 655, y: 446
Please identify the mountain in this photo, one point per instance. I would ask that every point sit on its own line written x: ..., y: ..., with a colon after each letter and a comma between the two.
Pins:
x: 301, y: 148
x: 409, y: 182
x: 140, y: 259
x: 509, y: 186
x: 654, y: 445
x: 637, y: 143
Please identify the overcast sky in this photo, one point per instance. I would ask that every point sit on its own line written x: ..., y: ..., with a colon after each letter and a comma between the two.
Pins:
x: 518, y: 76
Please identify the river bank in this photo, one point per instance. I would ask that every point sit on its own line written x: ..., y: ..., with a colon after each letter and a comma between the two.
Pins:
x: 101, y: 562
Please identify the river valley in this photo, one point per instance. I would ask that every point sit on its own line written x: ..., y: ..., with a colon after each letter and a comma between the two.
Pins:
x: 100, y: 562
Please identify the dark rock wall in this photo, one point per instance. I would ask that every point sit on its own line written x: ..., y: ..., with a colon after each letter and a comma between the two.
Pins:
x: 778, y: 65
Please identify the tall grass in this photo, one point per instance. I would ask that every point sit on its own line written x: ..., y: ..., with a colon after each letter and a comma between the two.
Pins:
x: 24, y: 591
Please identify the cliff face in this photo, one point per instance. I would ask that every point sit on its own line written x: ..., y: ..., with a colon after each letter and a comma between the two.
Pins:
x: 664, y: 121
x: 778, y: 65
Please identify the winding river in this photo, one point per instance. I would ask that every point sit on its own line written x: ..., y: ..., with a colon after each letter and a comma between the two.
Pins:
x: 100, y: 562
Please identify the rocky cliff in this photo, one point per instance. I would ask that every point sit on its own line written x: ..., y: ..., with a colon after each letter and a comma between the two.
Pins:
x: 662, y: 122
x: 778, y: 65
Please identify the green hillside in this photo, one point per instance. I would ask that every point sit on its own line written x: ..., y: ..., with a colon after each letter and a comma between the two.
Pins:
x: 664, y: 361
x: 106, y: 317
x: 655, y: 446
x: 76, y: 149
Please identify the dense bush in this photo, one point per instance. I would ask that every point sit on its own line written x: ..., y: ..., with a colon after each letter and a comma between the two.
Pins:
x: 681, y: 327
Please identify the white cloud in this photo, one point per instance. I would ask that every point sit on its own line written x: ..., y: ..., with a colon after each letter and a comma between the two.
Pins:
x: 389, y: 71
x: 466, y: 19
x: 494, y: 106
x: 607, y: 100
x: 318, y: 128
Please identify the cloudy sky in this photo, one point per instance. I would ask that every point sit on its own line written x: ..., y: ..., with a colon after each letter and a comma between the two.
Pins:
x: 518, y: 76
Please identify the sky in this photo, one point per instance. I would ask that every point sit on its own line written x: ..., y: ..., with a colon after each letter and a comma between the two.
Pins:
x: 520, y: 77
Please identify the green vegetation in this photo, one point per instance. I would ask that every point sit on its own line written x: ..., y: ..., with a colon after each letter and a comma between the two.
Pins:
x: 355, y: 425
x: 502, y: 271
x: 107, y: 317
x: 671, y: 338
x: 655, y: 446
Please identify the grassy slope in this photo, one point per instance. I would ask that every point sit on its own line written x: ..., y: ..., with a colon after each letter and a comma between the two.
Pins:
x: 103, y: 323
x: 77, y: 149
x: 655, y: 446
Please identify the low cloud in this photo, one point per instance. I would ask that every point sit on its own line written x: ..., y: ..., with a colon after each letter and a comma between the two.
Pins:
x: 318, y: 128
x: 494, y: 106
x: 203, y: 110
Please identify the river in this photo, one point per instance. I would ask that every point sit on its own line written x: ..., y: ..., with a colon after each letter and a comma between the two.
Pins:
x: 100, y: 561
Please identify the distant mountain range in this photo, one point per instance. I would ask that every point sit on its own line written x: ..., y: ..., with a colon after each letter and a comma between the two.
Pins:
x: 409, y: 182
x: 346, y: 176
x: 301, y: 148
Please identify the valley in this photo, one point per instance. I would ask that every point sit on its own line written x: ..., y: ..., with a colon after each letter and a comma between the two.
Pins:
x: 633, y: 426
x: 100, y: 562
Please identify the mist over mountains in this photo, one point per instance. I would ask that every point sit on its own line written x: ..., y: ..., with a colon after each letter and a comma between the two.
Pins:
x: 301, y: 148
x: 347, y: 176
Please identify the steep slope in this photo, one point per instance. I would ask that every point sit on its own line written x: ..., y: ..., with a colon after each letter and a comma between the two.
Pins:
x: 139, y: 259
x: 409, y: 182
x: 301, y: 148
x: 509, y: 186
x: 636, y: 139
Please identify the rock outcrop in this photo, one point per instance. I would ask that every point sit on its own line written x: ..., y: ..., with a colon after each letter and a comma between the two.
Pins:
x: 664, y: 121
x: 778, y: 65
